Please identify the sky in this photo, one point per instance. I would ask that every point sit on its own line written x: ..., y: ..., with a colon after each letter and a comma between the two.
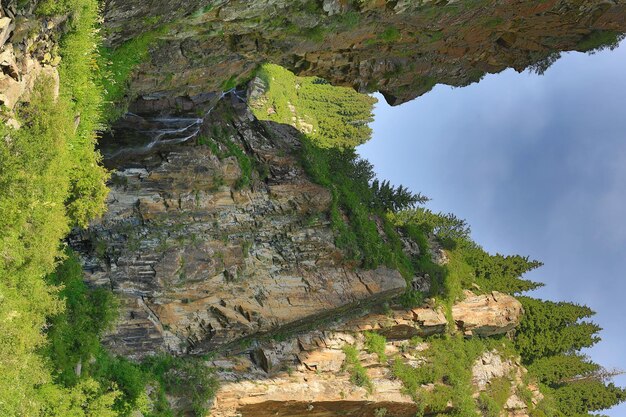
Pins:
x: 537, y: 165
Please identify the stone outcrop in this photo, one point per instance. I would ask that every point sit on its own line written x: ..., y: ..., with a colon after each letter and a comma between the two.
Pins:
x: 487, y: 315
x: 476, y: 315
x: 305, y: 376
x: 28, y: 45
x: 491, y: 366
x: 401, y: 48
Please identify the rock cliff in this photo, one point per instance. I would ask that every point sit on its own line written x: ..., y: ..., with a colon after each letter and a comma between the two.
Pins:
x: 200, y: 261
x: 306, y: 376
x: 216, y: 239
x: 401, y: 48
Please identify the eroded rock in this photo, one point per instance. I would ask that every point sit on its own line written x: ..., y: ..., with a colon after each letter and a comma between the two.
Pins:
x: 212, y: 263
x: 487, y: 314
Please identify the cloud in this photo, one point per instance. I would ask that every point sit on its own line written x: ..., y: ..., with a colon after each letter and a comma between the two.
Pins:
x: 538, y: 167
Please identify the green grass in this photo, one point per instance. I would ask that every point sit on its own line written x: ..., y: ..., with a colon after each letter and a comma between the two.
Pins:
x: 390, y: 34
x: 492, y: 401
x: 118, y: 65
x: 223, y: 147
x: 375, y: 343
x: 448, y: 365
x: 330, y: 116
x: 358, y: 374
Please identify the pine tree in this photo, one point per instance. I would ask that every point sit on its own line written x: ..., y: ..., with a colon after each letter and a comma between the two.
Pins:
x: 559, y: 369
x: 551, y: 328
x: 500, y: 273
x: 581, y: 397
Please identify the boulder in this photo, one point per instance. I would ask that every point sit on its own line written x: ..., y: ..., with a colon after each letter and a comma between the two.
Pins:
x: 487, y: 314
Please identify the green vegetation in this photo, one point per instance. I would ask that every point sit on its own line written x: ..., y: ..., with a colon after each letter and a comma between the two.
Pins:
x: 358, y: 374
x: 115, y: 385
x: 189, y: 378
x: 550, y: 328
x: 223, y: 147
x: 119, y: 64
x: 50, y: 180
x: 348, y: 177
x: 491, y: 402
x: 448, y: 365
x: 599, y: 40
x: 52, y: 362
x: 389, y: 35
x: 337, y: 119
x: 330, y: 116
x: 74, y: 335
x: 375, y: 343
x: 547, y: 339
x: 370, y: 219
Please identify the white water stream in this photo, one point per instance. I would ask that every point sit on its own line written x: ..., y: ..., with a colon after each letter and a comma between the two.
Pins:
x: 171, y: 130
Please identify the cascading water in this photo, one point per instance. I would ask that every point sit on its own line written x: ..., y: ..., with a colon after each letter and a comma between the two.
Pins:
x: 143, y: 134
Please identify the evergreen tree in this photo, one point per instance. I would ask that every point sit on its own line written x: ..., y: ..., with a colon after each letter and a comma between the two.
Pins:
x: 559, y: 369
x: 498, y: 272
x: 551, y: 328
x: 581, y: 397
x: 386, y: 197
x: 443, y: 225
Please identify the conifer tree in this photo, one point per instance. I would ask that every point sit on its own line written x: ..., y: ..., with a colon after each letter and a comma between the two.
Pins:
x: 550, y: 328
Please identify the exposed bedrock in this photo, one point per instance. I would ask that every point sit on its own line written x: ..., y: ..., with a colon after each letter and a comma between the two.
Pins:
x: 306, y: 375
x: 401, y: 48
x: 477, y: 315
x: 201, y: 262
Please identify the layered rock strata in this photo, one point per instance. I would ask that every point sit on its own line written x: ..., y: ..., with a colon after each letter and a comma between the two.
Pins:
x: 306, y: 375
x: 199, y: 261
x: 477, y: 315
x: 401, y: 48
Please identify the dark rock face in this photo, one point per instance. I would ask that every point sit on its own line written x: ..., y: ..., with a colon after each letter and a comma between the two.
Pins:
x: 399, y: 48
x: 200, y: 263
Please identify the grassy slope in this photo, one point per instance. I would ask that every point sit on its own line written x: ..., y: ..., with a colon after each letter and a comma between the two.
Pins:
x: 50, y: 180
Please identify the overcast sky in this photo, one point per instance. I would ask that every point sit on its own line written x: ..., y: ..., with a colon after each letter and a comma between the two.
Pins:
x: 537, y: 165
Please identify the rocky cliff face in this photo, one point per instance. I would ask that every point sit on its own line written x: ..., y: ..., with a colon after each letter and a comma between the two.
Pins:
x: 216, y: 239
x: 477, y: 315
x: 200, y: 261
x: 205, y: 262
x: 401, y: 48
x: 306, y: 376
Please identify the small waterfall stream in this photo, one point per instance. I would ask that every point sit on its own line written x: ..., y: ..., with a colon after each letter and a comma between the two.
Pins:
x: 137, y: 135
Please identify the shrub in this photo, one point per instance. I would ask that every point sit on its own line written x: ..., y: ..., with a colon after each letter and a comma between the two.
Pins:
x: 358, y: 374
x: 376, y: 343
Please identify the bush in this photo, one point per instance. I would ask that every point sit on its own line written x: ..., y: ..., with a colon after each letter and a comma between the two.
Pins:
x: 50, y: 180
x: 376, y: 343
x: 74, y: 335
